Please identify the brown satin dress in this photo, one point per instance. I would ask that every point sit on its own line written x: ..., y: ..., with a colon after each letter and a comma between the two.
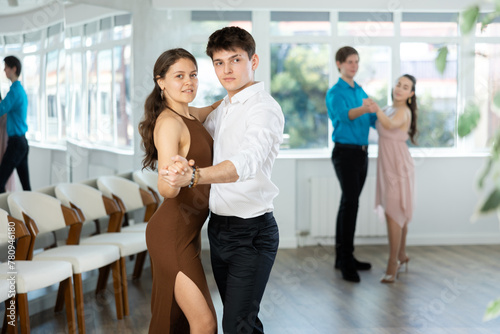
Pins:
x: 174, y: 242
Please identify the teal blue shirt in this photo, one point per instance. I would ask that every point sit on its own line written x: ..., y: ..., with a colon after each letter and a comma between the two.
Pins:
x: 15, y: 105
x: 339, y: 100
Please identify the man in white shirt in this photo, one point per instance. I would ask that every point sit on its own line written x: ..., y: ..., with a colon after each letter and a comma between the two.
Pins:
x: 247, y: 128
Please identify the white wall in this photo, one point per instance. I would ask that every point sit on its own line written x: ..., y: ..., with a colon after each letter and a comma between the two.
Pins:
x: 446, y: 197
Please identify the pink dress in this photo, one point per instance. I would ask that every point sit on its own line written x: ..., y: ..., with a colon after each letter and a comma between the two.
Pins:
x: 395, y: 174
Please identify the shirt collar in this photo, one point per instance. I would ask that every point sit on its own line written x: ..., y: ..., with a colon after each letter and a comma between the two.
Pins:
x: 344, y: 84
x: 246, y: 93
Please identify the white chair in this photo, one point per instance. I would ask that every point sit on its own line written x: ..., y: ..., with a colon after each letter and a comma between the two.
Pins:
x: 42, y: 214
x: 148, y: 180
x: 130, y: 197
x: 30, y: 276
x: 92, y: 205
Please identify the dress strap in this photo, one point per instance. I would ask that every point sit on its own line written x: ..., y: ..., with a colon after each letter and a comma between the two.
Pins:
x: 175, y: 112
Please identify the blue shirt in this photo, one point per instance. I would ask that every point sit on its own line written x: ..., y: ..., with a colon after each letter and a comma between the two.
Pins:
x: 15, y: 105
x: 339, y: 100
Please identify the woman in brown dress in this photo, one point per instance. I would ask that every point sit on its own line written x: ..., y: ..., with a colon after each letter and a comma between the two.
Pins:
x: 180, y: 301
x: 395, y: 170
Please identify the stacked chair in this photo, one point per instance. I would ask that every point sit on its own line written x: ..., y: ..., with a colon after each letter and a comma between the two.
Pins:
x: 148, y: 181
x: 45, y: 214
x: 130, y: 197
x: 30, y: 276
x: 91, y: 204
x: 62, y: 213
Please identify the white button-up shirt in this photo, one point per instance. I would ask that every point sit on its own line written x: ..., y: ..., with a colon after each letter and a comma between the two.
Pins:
x: 248, y: 132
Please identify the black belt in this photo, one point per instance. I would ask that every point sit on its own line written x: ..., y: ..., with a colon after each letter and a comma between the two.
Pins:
x: 234, y: 219
x: 352, y: 147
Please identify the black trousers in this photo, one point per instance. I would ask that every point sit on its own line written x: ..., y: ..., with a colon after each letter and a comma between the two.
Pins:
x: 351, y: 166
x: 15, y: 157
x: 242, y: 252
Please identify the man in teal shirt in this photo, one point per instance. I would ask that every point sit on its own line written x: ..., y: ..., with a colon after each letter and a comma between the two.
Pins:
x: 352, y: 115
x: 15, y: 105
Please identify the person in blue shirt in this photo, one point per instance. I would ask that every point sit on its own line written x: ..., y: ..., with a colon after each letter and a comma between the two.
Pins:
x: 352, y: 114
x: 15, y: 105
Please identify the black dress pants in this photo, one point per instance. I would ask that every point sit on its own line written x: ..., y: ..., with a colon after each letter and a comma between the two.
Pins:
x: 15, y: 157
x: 242, y: 252
x: 351, y: 166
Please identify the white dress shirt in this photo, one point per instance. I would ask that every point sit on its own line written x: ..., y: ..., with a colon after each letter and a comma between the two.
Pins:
x: 247, y: 131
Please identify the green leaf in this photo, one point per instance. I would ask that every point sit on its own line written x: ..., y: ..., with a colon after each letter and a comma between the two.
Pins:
x: 496, y: 100
x: 493, y: 310
x: 469, y: 19
x: 488, y: 18
x: 492, y: 203
x: 441, y: 59
x: 468, y: 120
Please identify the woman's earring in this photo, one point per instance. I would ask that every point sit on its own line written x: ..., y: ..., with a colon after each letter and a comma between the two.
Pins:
x: 161, y: 94
x: 409, y: 100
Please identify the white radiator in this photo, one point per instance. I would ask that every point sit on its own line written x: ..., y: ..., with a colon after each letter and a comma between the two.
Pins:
x: 325, y: 199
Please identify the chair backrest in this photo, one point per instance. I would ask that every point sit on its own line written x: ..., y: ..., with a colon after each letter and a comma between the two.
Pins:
x: 44, y: 209
x: 14, y: 233
x: 4, y: 226
x: 88, y: 199
x: 147, y: 180
x: 126, y: 190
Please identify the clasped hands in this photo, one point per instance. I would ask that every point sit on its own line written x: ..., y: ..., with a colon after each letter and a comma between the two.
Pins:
x: 178, y: 174
x: 371, y: 105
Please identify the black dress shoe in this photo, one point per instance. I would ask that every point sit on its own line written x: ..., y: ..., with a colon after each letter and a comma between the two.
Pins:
x: 350, y: 274
x: 362, y: 265
x: 358, y: 265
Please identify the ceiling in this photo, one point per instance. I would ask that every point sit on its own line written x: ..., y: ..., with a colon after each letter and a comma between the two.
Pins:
x: 22, y: 6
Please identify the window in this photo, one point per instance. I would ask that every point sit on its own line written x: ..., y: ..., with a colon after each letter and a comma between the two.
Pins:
x: 300, y: 23
x: 491, y: 30
x: 203, y: 23
x: 122, y: 63
x: 105, y: 116
x: 31, y: 83
x: 486, y: 86
x: 299, y: 84
x: 436, y: 93
x: 374, y: 75
x: 373, y: 24
x: 429, y: 24
x: 100, y: 81
x: 51, y: 96
x: 209, y: 88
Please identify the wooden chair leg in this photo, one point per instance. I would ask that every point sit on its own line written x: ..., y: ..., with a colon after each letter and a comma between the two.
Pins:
x: 60, y: 299
x: 139, y: 264
x: 24, y: 314
x: 80, y: 316
x: 70, y: 305
x: 102, y: 281
x: 123, y: 270
x: 117, y: 285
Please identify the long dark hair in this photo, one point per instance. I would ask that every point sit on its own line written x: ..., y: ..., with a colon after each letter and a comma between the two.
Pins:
x: 412, y: 131
x: 155, y: 104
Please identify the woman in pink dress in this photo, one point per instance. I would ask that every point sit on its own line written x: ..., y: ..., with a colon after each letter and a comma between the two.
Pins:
x: 395, y: 170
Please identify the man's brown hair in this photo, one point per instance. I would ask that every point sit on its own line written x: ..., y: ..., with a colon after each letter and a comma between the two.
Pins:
x: 230, y: 38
